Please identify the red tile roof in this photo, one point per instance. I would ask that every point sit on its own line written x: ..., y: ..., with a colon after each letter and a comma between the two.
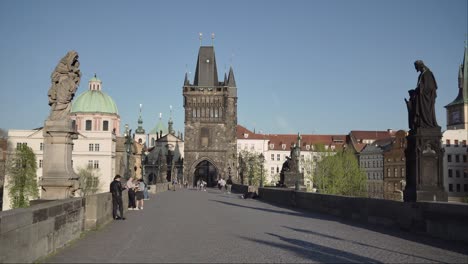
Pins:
x: 242, y: 132
x: 290, y: 139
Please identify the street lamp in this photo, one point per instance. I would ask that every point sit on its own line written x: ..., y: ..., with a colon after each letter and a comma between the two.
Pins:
x: 128, y: 147
x: 262, y: 160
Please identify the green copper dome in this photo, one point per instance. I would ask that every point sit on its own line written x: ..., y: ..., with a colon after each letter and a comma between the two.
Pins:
x: 94, y: 101
x: 159, y: 127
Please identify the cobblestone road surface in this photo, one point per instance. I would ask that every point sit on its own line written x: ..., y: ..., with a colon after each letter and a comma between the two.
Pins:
x: 201, y: 227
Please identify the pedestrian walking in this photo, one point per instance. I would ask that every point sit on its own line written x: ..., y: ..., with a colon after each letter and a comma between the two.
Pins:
x: 174, y: 183
x: 131, y: 194
x: 229, y: 185
x: 145, y: 191
x: 198, y: 184
x: 203, y: 185
x: 117, y: 204
x: 140, y: 187
x: 223, y: 184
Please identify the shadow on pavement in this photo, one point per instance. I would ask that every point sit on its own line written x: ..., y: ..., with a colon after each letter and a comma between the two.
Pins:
x: 261, y: 209
x: 356, y: 243
x: 314, y: 252
x: 454, y: 246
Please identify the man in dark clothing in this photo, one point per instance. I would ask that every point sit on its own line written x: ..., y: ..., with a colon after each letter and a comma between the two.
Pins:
x: 116, y: 190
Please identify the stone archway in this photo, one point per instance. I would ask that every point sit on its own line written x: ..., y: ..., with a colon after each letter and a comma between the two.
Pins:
x: 206, y: 171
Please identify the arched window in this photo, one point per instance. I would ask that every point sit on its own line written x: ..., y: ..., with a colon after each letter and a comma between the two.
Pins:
x: 194, y: 114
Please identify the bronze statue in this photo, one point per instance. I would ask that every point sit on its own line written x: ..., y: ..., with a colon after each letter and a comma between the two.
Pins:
x: 284, y: 168
x: 65, y: 81
x: 421, y: 106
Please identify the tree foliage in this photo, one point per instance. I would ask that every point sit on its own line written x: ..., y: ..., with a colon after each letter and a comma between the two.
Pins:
x: 253, y: 165
x: 89, y: 180
x: 22, y: 183
x: 340, y: 174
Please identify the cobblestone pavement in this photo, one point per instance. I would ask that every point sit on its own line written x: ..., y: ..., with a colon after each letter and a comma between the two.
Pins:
x: 201, y: 227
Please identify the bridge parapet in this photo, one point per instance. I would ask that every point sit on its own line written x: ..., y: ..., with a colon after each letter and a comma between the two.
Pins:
x: 28, y: 234
x: 437, y: 219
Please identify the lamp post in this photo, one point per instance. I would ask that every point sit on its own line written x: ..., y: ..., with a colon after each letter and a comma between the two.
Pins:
x: 128, y: 145
x: 297, y: 152
x: 262, y: 161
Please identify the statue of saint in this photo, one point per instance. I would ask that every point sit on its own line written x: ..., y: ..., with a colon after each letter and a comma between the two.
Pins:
x: 421, y: 106
x: 65, y: 81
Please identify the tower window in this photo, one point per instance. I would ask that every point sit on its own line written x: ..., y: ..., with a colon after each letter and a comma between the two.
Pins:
x: 105, y: 125
x: 88, y: 125
x: 205, y: 133
x: 447, y: 143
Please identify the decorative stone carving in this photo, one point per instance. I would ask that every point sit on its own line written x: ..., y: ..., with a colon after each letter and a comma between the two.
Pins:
x: 59, y: 181
x: 65, y: 80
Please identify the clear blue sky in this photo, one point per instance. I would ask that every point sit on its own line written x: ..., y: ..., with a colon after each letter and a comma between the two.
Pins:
x: 322, y: 67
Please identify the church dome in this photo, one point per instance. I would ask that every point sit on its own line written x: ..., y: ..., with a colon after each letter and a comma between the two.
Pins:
x: 94, y: 100
x: 159, y: 127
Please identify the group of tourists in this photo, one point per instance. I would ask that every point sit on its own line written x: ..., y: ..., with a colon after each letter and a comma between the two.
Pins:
x: 226, y: 185
x: 201, y: 185
x: 137, y: 193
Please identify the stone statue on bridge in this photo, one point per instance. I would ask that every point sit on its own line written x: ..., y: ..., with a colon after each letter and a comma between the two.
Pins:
x: 65, y: 81
x: 59, y: 181
x: 421, y: 104
x: 424, y: 152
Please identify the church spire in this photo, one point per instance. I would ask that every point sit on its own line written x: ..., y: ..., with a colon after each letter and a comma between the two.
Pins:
x: 231, y: 81
x: 186, y: 81
x: 206, y: 73
x: 464, y: 68
x: 140, y: 129
x: 170, y: 123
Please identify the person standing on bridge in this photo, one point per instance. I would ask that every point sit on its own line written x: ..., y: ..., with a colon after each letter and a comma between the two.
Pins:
x: 116, y: 190
x: 131, y: 194
x: 140, y: 187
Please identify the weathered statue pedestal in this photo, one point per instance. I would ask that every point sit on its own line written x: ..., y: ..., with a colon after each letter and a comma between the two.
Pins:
x: 290, y: 180
x: 59, y: 181
x: 424, y: 166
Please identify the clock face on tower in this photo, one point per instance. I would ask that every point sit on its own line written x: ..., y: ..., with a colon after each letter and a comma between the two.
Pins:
x: 455, y: 118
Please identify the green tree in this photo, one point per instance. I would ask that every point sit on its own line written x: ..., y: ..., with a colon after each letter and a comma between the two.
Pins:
x: 340, y: 174
x: 89, y: 180
x: 22, y: 184
x: 318, y: 152
x: 254, y: 165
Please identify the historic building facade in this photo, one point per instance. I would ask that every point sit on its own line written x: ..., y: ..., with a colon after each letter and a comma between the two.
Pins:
x: 454, y: 139
x: 210, y: 122
x: 394, y: 178
x: 371, y: 161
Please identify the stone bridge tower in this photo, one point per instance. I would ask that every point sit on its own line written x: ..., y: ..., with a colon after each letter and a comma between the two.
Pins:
x: 210, y: 122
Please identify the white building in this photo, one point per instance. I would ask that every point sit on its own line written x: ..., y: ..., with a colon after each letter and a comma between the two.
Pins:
x: 276, y: 148
x: 96, y: 119
x: 455, y: 139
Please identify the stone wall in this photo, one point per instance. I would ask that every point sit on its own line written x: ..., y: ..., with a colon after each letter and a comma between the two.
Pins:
x: 98, y: 209
x: 239, y: 188
x: 437, y: 219
x: 28, y: 234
